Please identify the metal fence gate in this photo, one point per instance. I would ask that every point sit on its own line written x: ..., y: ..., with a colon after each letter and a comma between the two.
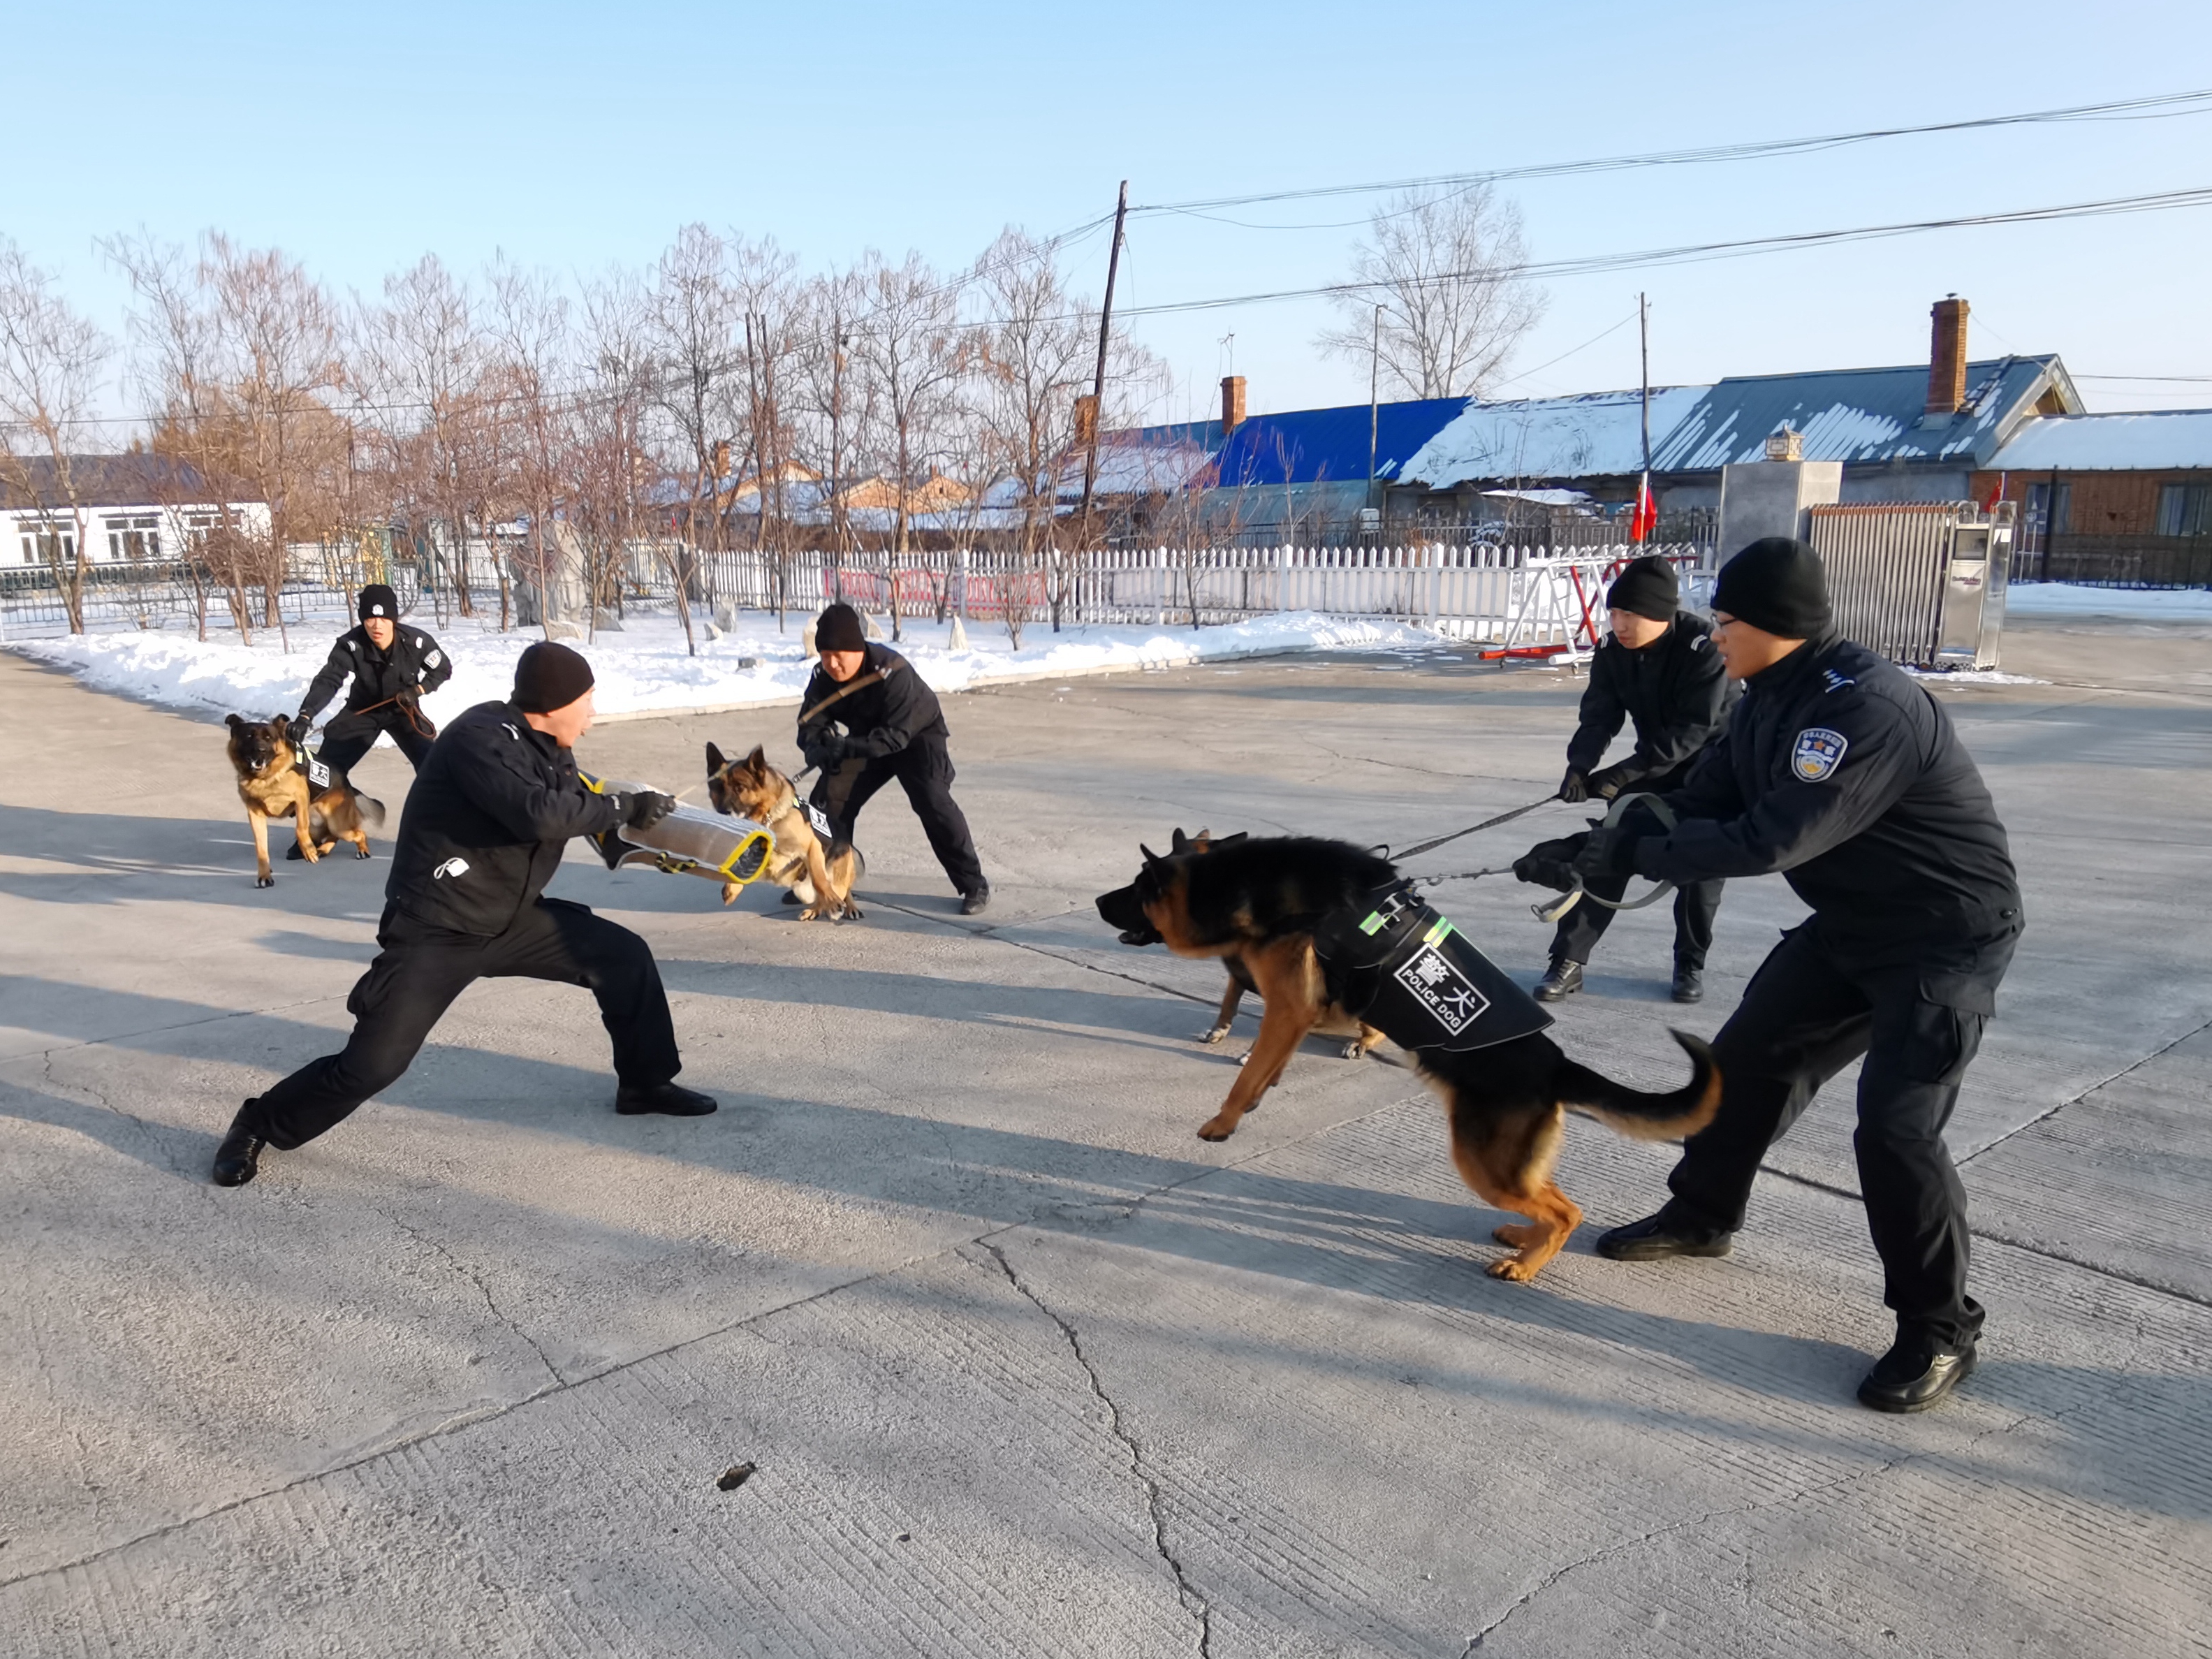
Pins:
x: 1922, y: 582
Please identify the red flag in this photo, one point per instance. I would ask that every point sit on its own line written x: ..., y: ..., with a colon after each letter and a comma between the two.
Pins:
x: 1646, y: 517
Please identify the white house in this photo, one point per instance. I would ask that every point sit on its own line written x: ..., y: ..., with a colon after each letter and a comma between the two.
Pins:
x: 134, y: 509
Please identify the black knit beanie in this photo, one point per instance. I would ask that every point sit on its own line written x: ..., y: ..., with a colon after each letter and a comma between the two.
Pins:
x: 378, y: 600
x: 838, y: 629
x: 548, y: 676
x: 1646, y: 588
x: 1775, y: 584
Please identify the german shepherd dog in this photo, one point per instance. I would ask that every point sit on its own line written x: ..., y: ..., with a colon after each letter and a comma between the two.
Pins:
x: 821, y: 877
x: 273, y: 784
x: 1261, y: 900
x: 1358, y: 1037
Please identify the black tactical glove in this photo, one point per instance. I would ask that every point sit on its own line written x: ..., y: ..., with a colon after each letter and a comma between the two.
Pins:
x: 645, y: 808
x: 826, y: 749
x: 1613, y: 779
x: 1575, y: 788
x: 1551, y: 863
x: 303, y: 723
x: 1612, y: 848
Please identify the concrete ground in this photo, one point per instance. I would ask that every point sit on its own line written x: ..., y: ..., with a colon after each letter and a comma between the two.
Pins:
x: 1024, y: 1366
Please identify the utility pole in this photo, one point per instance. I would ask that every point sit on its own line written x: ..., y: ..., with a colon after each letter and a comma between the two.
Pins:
x: 1644, y: 504
x: 1374, y: 401
x: 1098, y: 380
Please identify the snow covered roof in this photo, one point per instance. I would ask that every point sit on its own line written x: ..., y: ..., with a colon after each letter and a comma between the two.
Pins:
x: 1138, y: 463
x: 1858, y: 415
x: 1316, y: 446
x: 2167, y: 440
x: 1592, y: 435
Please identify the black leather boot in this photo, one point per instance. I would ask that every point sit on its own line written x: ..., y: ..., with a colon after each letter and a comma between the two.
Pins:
x: 670, y: 1099
x: 975, y: 904
x: 1689, y: 984
x: 1658, y: 1237
x: 1917, y: 1372
x: 238, y: 1160
x: 1561, y: 981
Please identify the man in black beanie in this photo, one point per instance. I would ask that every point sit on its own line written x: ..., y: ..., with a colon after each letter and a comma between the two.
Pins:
x: 392, y: 667
x: 1658, y: 668
x: 1840, y: 772
x: 867, y: 718
x: 492, y: 809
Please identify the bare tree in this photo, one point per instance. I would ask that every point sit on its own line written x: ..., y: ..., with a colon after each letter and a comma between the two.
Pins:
x: 530, y: 341
x: 695, y: 316
x: 913, y: 345
x: 1036, y: 361
x: 765, y: 279
x: 246, y: 350
x: 1445, y: 268
x: 419, y: 362
x: 836, y: 394
x: 608, y: 469
x: 51, y: 360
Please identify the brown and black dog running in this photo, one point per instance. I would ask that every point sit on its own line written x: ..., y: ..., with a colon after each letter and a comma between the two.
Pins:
x: 1357, y: 1036
x: 1262, y: 900
x: 818, y: 872
x: 274, y: 783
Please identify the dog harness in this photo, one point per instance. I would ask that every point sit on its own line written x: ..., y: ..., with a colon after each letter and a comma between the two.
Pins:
x: 1396, y: 963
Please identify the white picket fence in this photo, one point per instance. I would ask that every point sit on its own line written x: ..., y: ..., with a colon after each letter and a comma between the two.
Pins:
x: 1512, y: 597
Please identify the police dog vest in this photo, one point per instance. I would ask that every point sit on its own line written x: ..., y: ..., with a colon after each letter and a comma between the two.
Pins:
x: 1394, y: 963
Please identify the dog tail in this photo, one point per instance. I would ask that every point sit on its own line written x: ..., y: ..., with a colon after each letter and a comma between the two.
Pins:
x: 1644, y: 1116
x: 371, y: 809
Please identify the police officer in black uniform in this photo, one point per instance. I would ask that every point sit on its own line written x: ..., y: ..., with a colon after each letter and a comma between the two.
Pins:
x: 392, y: 667
x: 1839, y: 771
x: 494, y: 807
x: 893, y: 727
x: 1658, y: 670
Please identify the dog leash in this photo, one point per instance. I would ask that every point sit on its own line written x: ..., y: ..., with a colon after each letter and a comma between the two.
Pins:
x: 1552, y: 910
x: 860, y: 684
x: 1487, y: 823
x: 1463, y: 875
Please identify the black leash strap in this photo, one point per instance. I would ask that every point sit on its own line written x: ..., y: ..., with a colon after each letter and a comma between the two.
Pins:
x: 1487, y: 823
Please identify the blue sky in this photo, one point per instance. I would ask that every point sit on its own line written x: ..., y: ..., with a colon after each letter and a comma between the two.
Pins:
x: 574, y: 138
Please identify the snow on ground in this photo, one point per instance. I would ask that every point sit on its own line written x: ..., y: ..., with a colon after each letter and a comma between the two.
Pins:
x: 645, y: 669
x: 2189, y: 605
x: 1971, y: 677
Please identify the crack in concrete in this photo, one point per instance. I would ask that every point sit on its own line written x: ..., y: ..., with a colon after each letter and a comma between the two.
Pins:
x: 1193, y: 1602
x: 483, y: 1289
x: 2124, y: 1071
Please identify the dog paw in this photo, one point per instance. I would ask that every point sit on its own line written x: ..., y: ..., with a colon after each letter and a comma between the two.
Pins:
x: 811, y: 913
x: 1241, y: 1058
x: 1214, y: 1036
x: 1512, y: 1268
x: 264, y: 881
x: 1354, y: 1049
x: 852, y: 913
x: 730, y: 890
x: 1217, y: 1128
x: 363, y: 853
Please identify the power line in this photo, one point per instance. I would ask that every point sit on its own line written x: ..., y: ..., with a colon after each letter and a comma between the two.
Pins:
x: 1696, y: 252
x: 2159, y: 106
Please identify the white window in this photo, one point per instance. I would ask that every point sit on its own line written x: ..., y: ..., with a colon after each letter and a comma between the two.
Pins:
x: 137, y: 539
x: 46, y: 542
x: 2184, y: 510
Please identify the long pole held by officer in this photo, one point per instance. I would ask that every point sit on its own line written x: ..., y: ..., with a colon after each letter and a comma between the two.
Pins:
x: 494, y: 807
x: 1840, y: 772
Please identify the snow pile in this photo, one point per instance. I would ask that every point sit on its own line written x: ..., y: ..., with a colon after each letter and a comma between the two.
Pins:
x: 2178, y: 604
x: 645, y: 669
x: 1971, y: 677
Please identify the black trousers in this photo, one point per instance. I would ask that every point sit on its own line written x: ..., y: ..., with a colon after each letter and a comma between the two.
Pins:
x: 924, y: 770
x: 348, y: 736
x: 418, y: 973
x: 1807, y: 1014
x: 1695, y: 906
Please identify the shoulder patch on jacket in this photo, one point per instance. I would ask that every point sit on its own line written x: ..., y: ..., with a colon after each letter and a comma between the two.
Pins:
x: 1836, y: 681
x: 1817, y: 752
x: 512, y: 733
x: 350, y: 645
x: 433, y: 659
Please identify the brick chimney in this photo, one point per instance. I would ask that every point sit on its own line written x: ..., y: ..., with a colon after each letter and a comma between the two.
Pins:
x: 1946, y: 357
x: 1232, y: 403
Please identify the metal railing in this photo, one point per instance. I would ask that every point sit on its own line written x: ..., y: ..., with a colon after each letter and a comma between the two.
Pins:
x: 1529, y: 595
